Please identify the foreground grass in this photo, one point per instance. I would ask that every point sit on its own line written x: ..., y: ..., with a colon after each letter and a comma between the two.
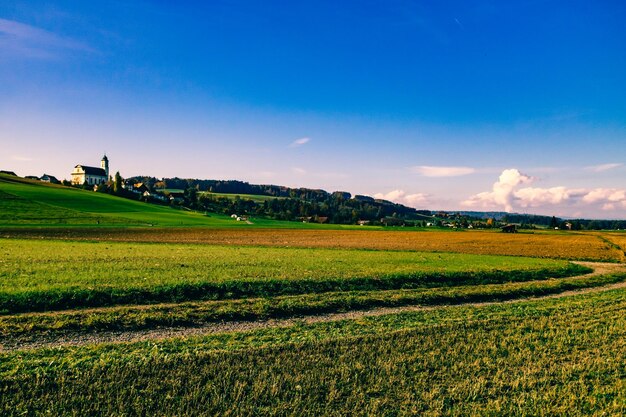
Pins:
x: 554, y: 357
x: 130, y: 318
x: 40, y: 275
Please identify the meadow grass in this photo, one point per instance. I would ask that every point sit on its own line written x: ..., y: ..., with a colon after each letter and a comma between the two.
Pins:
x: 24, y: 202
x: 254, y: 197
x: 39, y: 275
x: 549, y: 357
x: 199, y: 313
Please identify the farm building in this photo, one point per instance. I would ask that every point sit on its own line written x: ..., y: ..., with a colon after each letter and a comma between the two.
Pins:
x: 91, y: 175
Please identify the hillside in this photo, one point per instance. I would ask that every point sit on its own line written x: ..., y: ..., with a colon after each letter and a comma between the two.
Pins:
x: 29, y: 202
x: 26, y: 202
x: 284, y: 203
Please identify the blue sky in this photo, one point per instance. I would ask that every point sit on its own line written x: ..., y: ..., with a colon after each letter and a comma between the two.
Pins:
x: 443, y: 105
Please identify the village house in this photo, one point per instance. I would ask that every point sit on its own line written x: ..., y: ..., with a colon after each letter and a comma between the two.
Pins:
x: 49, y: 178
x: 91, y: 175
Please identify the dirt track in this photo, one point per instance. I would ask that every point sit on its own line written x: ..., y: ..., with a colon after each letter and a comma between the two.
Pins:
x: 76, y: 338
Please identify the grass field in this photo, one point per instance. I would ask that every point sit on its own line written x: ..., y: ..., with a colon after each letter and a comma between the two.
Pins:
x: 191, y: 314
x: 39, y: 275
x: 254, y: 197
x: 25, y: 202
x: 581, y: 246
x: 554, y: 357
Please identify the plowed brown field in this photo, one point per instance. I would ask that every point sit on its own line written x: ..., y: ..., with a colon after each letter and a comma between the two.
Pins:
x: 574, y: 245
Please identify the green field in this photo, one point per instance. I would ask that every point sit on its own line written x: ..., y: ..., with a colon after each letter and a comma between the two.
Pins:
x: 254, y: 197
x: 554, y: 357
x: 40, y: 275
x: 191, y: 314
x: 24, y: 202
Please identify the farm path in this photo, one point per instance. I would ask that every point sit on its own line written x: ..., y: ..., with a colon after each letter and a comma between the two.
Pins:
x: 78, y: 338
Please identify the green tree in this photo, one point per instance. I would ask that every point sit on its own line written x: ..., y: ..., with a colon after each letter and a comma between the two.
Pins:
x: 554, y: 222
x: 117, y: 184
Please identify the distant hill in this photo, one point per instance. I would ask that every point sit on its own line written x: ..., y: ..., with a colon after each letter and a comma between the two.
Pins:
x: 285, y: 203
x: 31, y: 202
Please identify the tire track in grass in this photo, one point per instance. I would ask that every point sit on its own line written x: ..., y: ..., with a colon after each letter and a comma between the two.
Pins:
x: 73, y: 338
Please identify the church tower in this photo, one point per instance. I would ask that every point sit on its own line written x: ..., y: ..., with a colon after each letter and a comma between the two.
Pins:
x: 104, y: 164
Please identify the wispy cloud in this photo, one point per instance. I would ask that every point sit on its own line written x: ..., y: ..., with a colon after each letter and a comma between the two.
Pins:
x: 299, y: 142
x: 298, y: 171
x: 434, y: 171
x: 603, y: 167
x: 22, y: 40
x: 21, y: 158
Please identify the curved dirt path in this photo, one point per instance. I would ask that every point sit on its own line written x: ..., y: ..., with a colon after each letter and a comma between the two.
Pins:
x: 51, y: 340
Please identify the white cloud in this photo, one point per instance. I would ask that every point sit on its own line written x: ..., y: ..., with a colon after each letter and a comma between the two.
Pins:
x: 298, y: 171
x: 299, y: 142
x: 401, y: 197
x: 432, y: 171
x: 507, y: 195
x: 417, y: 199
x: 536, y: 197
x: 603, y: 167
x: 501, y: 194
x: 605, y: 194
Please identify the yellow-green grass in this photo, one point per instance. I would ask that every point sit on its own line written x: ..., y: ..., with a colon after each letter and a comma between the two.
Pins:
x: 38, y: 275
x: 128, y: 318
x: 553, y: 357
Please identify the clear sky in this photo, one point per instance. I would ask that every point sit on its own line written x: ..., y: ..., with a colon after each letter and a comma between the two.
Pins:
x: 484, y: 105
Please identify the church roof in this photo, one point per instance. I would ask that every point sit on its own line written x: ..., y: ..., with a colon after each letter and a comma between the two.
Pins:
x: 93, y: 170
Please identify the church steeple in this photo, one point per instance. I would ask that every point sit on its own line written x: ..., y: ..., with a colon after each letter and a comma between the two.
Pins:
x: 104, y: 164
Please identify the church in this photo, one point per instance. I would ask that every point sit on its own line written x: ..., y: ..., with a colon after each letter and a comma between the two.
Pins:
x: 91, y: 175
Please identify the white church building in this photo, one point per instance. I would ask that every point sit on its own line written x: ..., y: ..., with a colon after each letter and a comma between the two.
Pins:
x: 91, y: 175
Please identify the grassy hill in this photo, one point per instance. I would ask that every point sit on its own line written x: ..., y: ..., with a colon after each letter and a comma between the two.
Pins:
x: 29, y: 202
x: 25, y: 202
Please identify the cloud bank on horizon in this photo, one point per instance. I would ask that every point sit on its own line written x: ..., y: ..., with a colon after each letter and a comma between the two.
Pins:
x: 417, y: 200
x: 513, y: 192
x: 508, y: 194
